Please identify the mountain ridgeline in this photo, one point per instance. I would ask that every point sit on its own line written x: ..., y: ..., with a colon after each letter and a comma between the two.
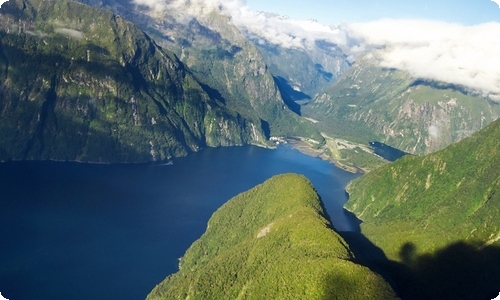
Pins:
x: 438, y: 215
x: 221, y: 57
x: 313, y: 69
x: 272, y: 242
x: 83, y: 84
x: 418, y: 116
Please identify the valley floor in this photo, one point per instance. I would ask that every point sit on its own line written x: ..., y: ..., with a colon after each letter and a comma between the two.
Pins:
x: 332, y: 151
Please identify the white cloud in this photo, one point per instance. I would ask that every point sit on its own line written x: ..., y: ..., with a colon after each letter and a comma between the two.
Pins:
x: 2, y: 2
x: 273, y: 28
x: 497, y: 2
x: 190, y: 7
x: 289, y: 33
x: 434, y: 131
x: 156, y: 6
x: 70, y: 33
x: 452, y: 53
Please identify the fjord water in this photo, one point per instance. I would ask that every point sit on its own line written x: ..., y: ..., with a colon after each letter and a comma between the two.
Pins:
x: 91, y: 231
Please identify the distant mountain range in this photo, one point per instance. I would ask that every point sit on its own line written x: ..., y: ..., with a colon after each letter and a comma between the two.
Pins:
x: 269, y: 85
x: 302, y: 73
x: 117, y: 83
x: 418, y: 116
x: 99, y: 89
x: 222, y: 57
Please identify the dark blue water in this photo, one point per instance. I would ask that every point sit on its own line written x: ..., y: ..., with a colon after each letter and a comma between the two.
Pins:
x: 87, y: 231
x: 387, y: 152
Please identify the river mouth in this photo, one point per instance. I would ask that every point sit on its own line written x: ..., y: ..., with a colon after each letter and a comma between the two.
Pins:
x: 94, y: 231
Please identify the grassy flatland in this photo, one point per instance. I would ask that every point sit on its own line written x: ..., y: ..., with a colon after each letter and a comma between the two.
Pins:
x: 272, y: 242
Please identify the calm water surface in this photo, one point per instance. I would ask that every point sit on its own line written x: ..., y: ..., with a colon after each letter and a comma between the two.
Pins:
x: 87, y: 231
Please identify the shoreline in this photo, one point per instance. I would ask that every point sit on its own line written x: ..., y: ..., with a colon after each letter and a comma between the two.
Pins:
x: 308, y: 149
x: 297, y: 143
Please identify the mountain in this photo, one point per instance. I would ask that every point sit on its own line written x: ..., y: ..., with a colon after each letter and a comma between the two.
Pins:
x: 314, y: 67
x: 221, y: 56
x: 418, y: 116
x: 272, y: 242
x: 438, y: 216
x: 77, y: 83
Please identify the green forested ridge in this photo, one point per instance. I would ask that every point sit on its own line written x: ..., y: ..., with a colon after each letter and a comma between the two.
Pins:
x: 368, y: 103
x: 272, y: 242
x: 434, y: 200
x: 438, y: 216
x: 77, y: 83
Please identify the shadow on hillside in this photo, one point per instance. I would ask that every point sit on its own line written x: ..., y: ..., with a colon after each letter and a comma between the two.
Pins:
x: 460, y: 270
x: 290, y: 94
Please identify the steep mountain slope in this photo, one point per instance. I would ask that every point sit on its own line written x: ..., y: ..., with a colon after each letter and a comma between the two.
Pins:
x: 82, y: 84
x: 272, y: 242
x: 417, y: 116
x: 221, y: 56
x: 313, y: 69
x: 432, y: 201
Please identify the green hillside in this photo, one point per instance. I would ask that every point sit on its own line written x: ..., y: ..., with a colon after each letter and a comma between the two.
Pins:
x: 272, y: 242
x: 438, y: 216
x: 77, y: 83
x: 222, y: 57
x: 369, y: 102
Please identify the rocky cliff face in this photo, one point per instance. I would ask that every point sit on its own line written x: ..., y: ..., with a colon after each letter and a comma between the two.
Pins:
x: 82, y: 84
x: 417, y: 116
x: 222, y: 57
x: 313, y: 69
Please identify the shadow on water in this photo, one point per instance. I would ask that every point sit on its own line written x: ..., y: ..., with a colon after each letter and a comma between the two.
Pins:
x: 387, y: 152
x: 290, y: 95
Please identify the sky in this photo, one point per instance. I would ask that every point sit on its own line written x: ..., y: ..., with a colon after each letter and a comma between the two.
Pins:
x: 335, y: 12
x: 456, y: 42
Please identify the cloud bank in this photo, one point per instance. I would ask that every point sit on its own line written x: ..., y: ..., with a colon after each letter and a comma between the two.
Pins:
x: 452, y: 53
x: 272, y: 28
x: 70, y: 33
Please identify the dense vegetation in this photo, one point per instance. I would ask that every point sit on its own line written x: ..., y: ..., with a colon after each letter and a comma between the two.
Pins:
x: 222, y: 57
x: 438, y: 216
x: 361, y: 159
x: 272, y: 242
x: 368, y: 102
x: 83, y: 84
